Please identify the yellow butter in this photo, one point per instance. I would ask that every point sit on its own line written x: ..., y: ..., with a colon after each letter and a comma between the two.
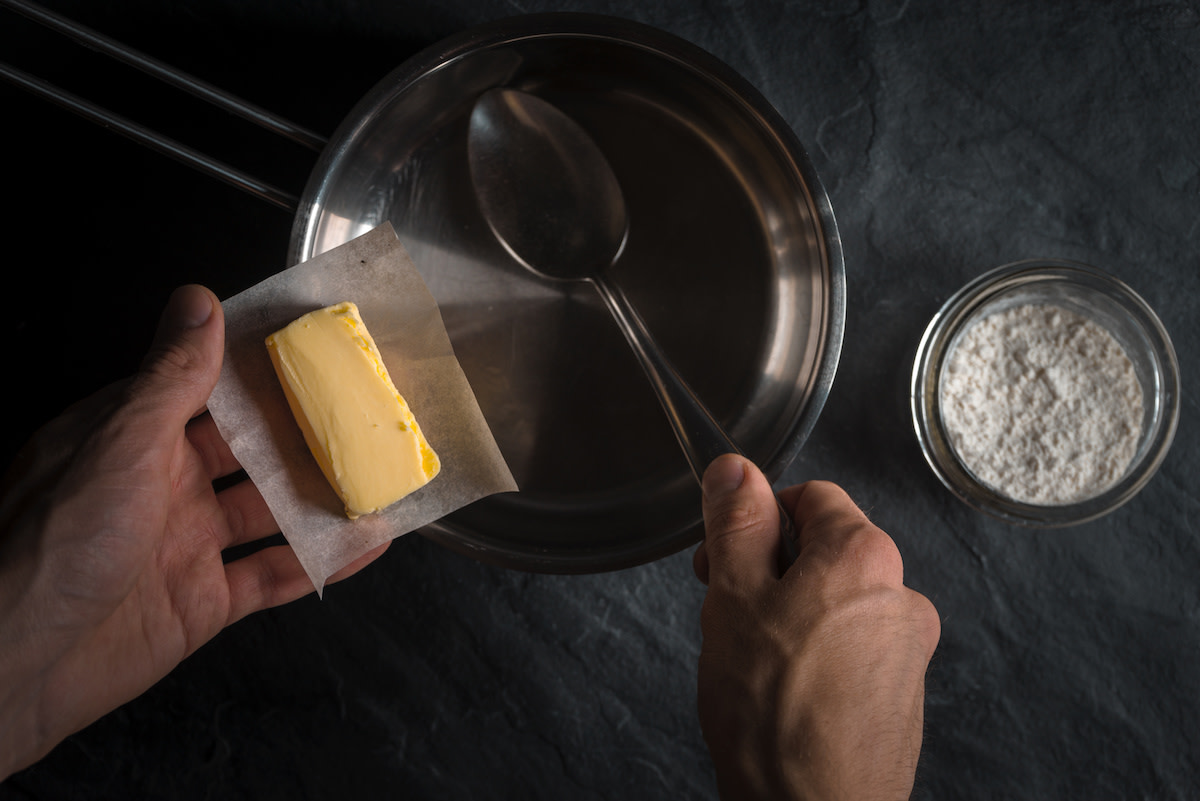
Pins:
x: 355, y: 422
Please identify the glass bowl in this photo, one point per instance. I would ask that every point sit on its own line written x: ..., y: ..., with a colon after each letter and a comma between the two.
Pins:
x: 1086, y: 291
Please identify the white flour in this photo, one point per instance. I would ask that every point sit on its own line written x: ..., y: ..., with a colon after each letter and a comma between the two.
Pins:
x: 1042, y: 405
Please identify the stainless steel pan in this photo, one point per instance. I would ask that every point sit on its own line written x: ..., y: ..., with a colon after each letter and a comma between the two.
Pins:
x: 733, y: 258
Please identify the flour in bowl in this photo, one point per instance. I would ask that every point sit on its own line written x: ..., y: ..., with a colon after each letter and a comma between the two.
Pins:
x: 1042, y: 405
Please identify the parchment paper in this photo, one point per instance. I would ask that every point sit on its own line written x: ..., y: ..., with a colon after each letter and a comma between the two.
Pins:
x: 251, y: 412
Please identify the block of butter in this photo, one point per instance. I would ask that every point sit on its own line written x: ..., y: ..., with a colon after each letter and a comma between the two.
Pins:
x: 355, y: 422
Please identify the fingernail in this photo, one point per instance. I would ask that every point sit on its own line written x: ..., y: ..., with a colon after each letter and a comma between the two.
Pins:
x: 722, y: 477
x: 190, y: 306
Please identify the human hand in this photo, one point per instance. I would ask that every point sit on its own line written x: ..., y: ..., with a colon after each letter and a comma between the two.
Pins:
x: 111, y: 541
x: 811, y: 683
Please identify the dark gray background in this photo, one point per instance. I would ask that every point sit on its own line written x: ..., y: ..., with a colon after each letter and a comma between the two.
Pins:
x: 952, y: 137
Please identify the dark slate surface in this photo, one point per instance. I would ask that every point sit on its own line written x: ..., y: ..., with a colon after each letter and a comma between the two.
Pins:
x: 952, y: 138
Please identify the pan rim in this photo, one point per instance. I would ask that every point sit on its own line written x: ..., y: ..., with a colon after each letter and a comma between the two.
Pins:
x: 830, y: 328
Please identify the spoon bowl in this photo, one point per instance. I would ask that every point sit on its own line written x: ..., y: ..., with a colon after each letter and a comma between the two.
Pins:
x: 545, y: 189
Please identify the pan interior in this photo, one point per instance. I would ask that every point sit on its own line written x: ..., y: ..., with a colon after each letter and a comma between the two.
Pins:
x: 725, y: 261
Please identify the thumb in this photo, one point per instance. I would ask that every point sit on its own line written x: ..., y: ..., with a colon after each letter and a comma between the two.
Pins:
x: 116, y: 483
x: 182, y: 366
x: 741, y: 522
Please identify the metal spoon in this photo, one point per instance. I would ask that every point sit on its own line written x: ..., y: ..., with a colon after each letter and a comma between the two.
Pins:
x: 551, y: 198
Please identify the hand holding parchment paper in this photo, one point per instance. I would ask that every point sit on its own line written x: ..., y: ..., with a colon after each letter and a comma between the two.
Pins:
x: 251, y: 411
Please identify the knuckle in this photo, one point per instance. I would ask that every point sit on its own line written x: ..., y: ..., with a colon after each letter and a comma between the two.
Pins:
x: 235, y: 521
x: 926, y: 620
x: 733, y: 517
x: 210, y: 459
x: 175, y: 374
x: 871, y: 552
x: 173, y: 360
x: 725, y: 523
x: 818, y: 498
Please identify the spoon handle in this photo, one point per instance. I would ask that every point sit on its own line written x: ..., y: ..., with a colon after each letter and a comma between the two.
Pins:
x: 700, y: 435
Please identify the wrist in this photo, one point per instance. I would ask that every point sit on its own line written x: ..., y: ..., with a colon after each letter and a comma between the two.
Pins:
x: 22, y: 688
x: 753, y: 766
x: 22, y: 740
x: 26, y: 659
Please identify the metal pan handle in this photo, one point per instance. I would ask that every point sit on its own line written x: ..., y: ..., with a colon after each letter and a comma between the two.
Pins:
x: 181, y: 80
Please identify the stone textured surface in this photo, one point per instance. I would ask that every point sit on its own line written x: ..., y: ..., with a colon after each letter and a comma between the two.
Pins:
x: 951, y: 137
